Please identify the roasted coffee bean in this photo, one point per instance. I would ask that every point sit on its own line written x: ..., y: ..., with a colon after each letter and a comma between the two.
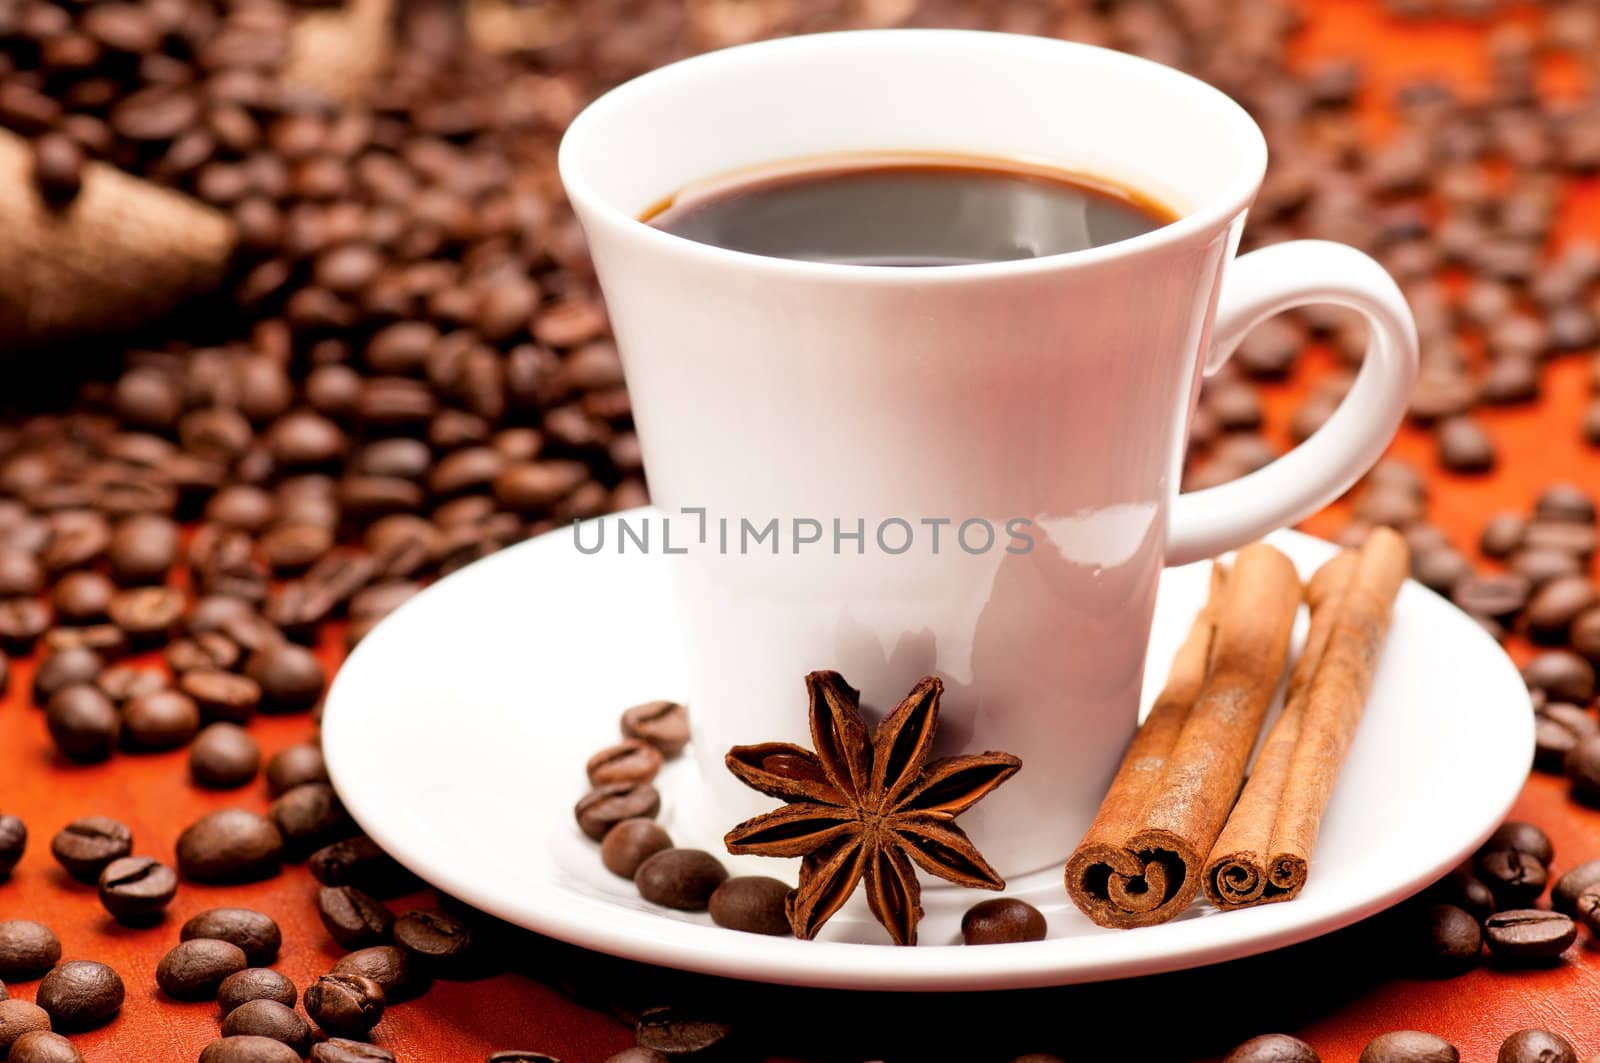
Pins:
x: 1579, y: 540
x: 1541, y: 565
x: 630, y: 843
x: 345, y: 1005
x: 1452, y: 941
x: 18, y: 1018
x: 390, y: 966
x: 517, y: 1055
x: 254, y: 933
x: 165, y: 719
x: 1462, y: 889
x: 193, y: 969
x: 230, y: 845
x: 71, y: 667
x: 1440, y: 569
x: 606, y: 806
x: 13, y: 843
x: 268, y: 1018
x: 359, y: 861
x: 255, y: 983
x: 1273, y: 1048
x: 124, y: 682
x: 1565, y: 502
x: 43, y: 1046
x: 1572, y: 883
x: 1409, y: 1046
x: 222, y: 696
x: 83, y: 723
x: 248, y: 1049
x: 441, y: 943
x: 147, y: 614
x: 143, y: 549
x: 650, y: 1055
x: 677, y: 1035
x: 223, y: 757
x: 136, y: 890
x: 1583, y: 768
x: 80, y: 995
x: 108, y: 640
x: 630, y: 761
x: 344, y: 1050
x: 1556, y: 605
x: 1562, y: 675
x: 1584, y: 636
x: 209, y: 650
x: 1528, y: 935
x: 1464, y: 446
x: 22, y: 622
x: 290, y: 677
x: 752, y: 903
x: 1524, y: 838
x: 81, y: 597
x: 354, y: 918
x: 1557, y: 731
x: 1515, y: 878
x: 295, y: 766
x: 663, y: 724
x: 20, y: 574
x: 1536, y: 1046
x: 85, y: 846
x: 27, y: 949
x: 310, y: 816
x: 1499, y: 596
x: 1001, y: 921
x: 680, y: 878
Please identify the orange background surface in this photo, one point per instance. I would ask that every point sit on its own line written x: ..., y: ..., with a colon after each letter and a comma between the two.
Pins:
x: 1337, y: 992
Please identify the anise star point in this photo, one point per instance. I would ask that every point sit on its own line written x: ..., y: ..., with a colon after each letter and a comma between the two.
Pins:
x: 867, y: 805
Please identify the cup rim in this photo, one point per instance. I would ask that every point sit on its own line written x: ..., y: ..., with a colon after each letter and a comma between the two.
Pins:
x: 1214, y: 212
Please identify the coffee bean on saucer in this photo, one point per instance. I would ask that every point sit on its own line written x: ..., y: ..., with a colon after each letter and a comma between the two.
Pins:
x: 438, y: 941
x: 136, y: 890
x: 677, y: 1034
x: 256, y: 934
x: 290, y: 677
x: 606, y: 806
x: 664, y: 724
x: 27, y: 949
x: 359, y: 861
x: 222, y: 695
x: 630, y: 843
x: 1273, y: 1048
x: 344, y: 1050
x: 310, y: 816
x: 345, y: 1005
x: 1515, y: 878
x: 18, y: 1018
x: 680, y: 878
x: 1536, y: 1046
x: 43, y: 1046
x: 1524, y: 838
x: 354, y: 918
x: 163, y: 720
x: 80, y: 995
x: 83, y: 723
x: 1409, y: 1046
x: 1452, y: 940
x: 392, y: 967
x: 268, y: 1018
x: 248, y: 1049
x: 755, y: 904
x: 193, y: 969
x: 630, y: 761
x: 223, y: 757
x: 85, y: 846
x: 256, y: 983
x: 230, y: 845
x: 1528, y: 935
x: 13, y: 842
x: 294, y: 766
x: 1002, y: 920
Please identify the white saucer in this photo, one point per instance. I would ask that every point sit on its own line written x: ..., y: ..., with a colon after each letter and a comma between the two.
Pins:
x: 457, y: 732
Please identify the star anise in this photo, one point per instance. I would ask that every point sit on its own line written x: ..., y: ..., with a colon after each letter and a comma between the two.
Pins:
x: 867, y: 806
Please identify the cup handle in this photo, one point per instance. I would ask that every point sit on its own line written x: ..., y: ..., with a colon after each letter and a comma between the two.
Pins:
x: 1208, y: 522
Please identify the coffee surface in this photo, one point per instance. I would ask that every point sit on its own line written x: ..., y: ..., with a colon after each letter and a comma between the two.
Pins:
x: 908, y: 211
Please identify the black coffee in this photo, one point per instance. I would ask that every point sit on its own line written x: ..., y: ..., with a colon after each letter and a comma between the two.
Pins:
x: 897, y: 211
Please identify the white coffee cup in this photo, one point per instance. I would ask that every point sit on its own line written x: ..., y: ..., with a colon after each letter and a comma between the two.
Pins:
x: 1054, y: 390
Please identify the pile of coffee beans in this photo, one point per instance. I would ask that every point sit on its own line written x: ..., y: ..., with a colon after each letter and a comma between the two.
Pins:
x: 1409, y: 1046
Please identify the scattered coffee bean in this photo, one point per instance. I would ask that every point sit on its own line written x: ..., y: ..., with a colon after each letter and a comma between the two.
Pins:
x: 1462, y: 889
x: 27, y: 949
x: 1583, y: 768
x: 1452, y: 941
x: 17, y: 1019
x: 223, y: 757
x: 354, y: 918
x: 606, y: 806
x: 630, y: 843
x: 136, y: 890
x: 295, y: 766
x: 1557, y: 730
x: 345, y: 1005
x: 1566, y: 503
x: 516, y: 1055
x: 194, y: 969
x: 1002, y: 920
x: 650, y: 1055
x: 630, y: 761
x: 443, y: 944
x: 80, y: 995
x: 43, y: 1046
x: 13, y: 843
x: 1562, y: 675
x: 359, y: 861
x: 1464, y: 446
x: 676, y: 1035
x: 663, y: 724
x: 1572, y: 884
x: 1529, y: 936
x: 1273, y: 1048
x: 255, y: 934
x: 230, y: 845
x: 222, y: 695
x: 390, y: 966
x: 1409, y: 1046
x: 65, y: 668
x: 310, y: 816
x: 81, y: 597
x: 248, y: 1049
x: 290, y: 677
x: 162, y: 720
x: 1536, y: 1046
x: 1499, y: 596
x: 1524, y: 838
x: 344, y: 1050
x: 83, y: 723
x: 1516, y: 879
x: 268, y: 1018
x: 752, y: 903
x: 85, y: 846
x: 256, y: 983
x: 680, y: 878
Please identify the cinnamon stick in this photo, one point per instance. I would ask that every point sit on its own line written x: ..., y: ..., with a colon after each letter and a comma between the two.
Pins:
x: 1140, y: 864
